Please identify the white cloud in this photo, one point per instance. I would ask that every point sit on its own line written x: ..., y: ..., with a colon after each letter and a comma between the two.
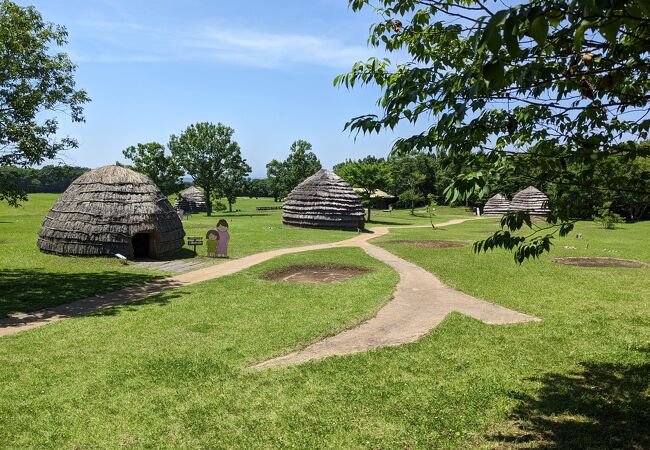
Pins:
x: 116, y: 42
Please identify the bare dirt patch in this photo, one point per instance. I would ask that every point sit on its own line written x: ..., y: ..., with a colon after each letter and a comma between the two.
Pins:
x: 600, y: 262
x: 428, y: 243
x: 315, y: 273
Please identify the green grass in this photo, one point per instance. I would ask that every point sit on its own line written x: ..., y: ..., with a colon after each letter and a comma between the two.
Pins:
x: 171, y: 372
x: 32, y: 280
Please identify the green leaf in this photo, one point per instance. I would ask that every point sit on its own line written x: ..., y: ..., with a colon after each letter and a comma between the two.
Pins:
x: 579, y: 37
x: 610, y: 30
x: 539, y: 30
x: 555, y: 18
x: 510, y: 35
x: 493, y: 72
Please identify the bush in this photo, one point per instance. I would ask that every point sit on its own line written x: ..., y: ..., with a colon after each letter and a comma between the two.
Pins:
x: 606, y: 217
x: 219, y: 206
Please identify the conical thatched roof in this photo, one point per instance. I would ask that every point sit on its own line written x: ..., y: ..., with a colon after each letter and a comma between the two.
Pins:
x: 497, y: 205
x: 191, y: 199
x: 324, y: 200
x: 531, y: 200
x: 104, y: 209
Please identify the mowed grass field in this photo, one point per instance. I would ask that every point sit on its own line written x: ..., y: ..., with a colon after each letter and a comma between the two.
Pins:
x: 32, y: 280
x: 172, y: 371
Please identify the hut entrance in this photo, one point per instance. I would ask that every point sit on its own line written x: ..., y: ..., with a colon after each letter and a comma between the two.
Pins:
x: 142, y: 245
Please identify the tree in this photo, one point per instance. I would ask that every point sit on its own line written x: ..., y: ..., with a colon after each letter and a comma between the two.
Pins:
x: 411, y: 197
x: 369, y: 175
x: 301, y: 163
x: 258, y: 187
x: 285, y: 175
x: 202, y: 151
x: 276, y: 175
x: 150, y: 159
x: 541, y: 85
x: 407, y: 173
x: 233, y: 181
x: 34, y: 81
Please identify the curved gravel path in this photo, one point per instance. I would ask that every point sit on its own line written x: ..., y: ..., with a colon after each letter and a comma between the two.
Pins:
x: 421, y: 301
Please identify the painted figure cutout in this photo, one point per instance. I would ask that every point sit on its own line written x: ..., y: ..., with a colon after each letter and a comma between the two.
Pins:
x: 224, y: 237
x: 212, y: 238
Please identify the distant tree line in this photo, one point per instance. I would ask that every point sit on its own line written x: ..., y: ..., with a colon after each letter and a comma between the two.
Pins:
x: 51, y: 178
x: 417, y: 179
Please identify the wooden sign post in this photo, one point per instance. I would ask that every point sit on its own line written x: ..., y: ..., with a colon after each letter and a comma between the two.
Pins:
x: 194, y: 241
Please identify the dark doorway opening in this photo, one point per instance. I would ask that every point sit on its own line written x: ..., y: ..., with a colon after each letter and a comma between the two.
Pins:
x: 141, y: 245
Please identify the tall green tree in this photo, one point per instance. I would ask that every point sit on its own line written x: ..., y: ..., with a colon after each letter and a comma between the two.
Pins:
x: 150, y: 159
x: 368, y: 174
x: 234, y: 179
x: 276, y: 174
x: 301, y: 163
x: 36, y: 83
x: 202, y: 151
x: 541, y: 85
x: 285, y: 175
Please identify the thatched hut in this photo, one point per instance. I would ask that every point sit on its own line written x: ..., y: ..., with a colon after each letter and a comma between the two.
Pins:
x: 324, y: 200
x: 191, y: 199
x: 531, y: 200
x: 112, y: 210
x: 378, y: 198
x: 497, y: 205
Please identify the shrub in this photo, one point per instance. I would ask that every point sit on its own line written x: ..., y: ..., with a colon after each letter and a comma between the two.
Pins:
x: 606, y: 217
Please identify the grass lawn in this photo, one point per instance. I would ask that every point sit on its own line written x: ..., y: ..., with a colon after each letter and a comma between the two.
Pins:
x: 31, y: 280
x: 172, y: 371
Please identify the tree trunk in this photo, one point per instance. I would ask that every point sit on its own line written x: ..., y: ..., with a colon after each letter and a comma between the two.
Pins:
x: 208, y: 202
x: 368, y: 213
x: 229, y: 206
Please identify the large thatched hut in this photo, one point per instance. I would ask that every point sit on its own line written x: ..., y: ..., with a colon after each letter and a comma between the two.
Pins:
x: 112, y: 210
x: 191, y: 199
x: 531, y: 200
x: 497, y: 205
x: 324, y: 200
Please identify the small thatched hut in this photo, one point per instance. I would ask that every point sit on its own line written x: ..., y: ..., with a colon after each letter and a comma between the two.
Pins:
x: 379, y: 199
x: 324, y: 200
x: 191, y: 199
x: 531, y: 200
x: 112, y: 210
x: 497, y: 205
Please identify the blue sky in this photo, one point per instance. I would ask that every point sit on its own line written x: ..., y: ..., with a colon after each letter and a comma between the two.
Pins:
x: 264, y: 68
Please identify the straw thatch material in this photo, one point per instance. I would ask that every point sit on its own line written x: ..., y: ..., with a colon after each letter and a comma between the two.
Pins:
x: 497, y: 205
x: 324, y: 200
x: 104, y: 209
x: 531, y: 200
x: 191, y: 199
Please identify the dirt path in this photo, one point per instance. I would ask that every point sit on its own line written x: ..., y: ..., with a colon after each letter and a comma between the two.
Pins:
x: 21, y: 322
x: 421, y: 301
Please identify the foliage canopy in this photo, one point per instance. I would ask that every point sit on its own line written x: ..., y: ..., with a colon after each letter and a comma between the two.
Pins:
x: 150, y: 159
x: 35, y: 85
x: 541, y: 86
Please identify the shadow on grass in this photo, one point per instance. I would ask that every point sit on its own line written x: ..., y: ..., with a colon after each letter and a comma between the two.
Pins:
x: 601, y: 406
x: 27, y: 290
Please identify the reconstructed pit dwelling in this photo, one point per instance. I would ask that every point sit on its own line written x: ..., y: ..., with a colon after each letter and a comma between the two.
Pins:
x: 112, y: 210
x: 324, y: 200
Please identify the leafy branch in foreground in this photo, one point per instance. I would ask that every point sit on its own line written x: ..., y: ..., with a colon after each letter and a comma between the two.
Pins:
x: 523, y: 247
x: 546, y: 89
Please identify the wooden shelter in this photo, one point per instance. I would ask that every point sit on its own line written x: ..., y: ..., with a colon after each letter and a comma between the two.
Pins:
x: 324, y: 200
x: 378, y: 198
x: 112, y: 210
x: 191, y: 199
x: 497, y: 205
x: 531, y: 200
